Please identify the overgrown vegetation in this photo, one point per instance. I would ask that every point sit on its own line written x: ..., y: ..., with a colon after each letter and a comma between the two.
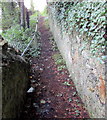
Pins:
x: 54, y: 46
x: 10, y: 14
x: 87, y: 19
x: 45, y: 14
x: 18, y: 36
x: 33, y: 20
x: 59, y: 61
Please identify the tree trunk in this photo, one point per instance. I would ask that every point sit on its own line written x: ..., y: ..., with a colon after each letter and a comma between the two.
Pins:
x: 22, y: 17
x: 27, y: 18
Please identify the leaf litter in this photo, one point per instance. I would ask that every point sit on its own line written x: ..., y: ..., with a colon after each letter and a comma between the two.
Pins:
x: 55, y: 96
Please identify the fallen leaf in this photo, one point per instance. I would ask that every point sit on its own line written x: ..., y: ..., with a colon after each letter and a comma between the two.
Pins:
x: 44, y: 87
x: 30, y: 76
x: 74, y: 93
x: 67, y: 83
x: 42, y: 101
x: 70, y: 100
x: 41, y: 69
x: 92, y: 89
x: 60, y: 94
x: 77, y: 111
x: 68, y: 109
x: 33, y: 81
x: 49, y: 101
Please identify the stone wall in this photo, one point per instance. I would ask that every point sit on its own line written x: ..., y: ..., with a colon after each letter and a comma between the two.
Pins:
x: 75, y: 0
x: 86, y: 71
x: 0, y: 80
x: 14, y: 83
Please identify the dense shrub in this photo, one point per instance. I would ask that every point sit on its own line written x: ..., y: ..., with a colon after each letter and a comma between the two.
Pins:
x: 19, y: 38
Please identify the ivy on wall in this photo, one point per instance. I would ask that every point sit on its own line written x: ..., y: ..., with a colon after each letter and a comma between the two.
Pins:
x: 87, y: 18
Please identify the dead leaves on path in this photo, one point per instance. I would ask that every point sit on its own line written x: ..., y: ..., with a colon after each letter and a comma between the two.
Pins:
x: 55, y: 95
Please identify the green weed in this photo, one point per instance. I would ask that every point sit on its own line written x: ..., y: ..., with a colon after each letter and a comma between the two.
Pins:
x: 59, y: 61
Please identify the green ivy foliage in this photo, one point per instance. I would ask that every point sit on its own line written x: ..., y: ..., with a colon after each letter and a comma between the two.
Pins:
x: 87, y: 18
x: 19, y: 37
x: 33, y: 20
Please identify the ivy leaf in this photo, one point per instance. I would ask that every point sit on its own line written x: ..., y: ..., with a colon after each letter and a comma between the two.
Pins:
x: 70, y: 100
x: 67, y: 83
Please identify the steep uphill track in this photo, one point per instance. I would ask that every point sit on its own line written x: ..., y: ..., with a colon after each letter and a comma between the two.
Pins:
x: 52, y: 99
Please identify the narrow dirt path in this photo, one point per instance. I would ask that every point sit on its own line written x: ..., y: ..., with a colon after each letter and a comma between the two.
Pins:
x: 52, y: 99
